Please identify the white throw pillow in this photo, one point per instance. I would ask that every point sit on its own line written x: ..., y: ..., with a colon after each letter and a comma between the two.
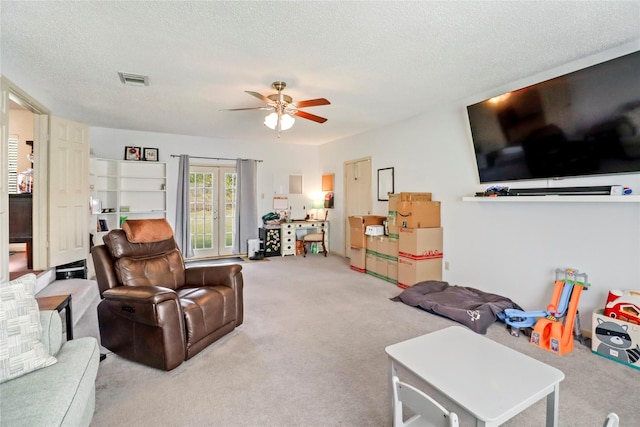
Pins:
x: 21, y: 350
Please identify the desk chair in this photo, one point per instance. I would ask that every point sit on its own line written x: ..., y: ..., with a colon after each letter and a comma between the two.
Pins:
x: 429, y: 412
x: 314, y: 238
x: 612, y: 420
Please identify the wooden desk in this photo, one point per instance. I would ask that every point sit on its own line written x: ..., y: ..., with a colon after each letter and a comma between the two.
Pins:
x: 58, y: 303
x: 291, y: 231
x: 487, y: 380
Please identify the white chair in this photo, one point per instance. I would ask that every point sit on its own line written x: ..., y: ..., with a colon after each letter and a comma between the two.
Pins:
x: 429, y: 413
x: 612, y: 420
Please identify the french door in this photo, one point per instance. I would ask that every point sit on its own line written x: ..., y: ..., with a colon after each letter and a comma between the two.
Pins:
x: 213, y: 198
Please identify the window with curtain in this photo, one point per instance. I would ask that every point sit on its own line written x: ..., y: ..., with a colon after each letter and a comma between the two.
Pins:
x: 13, y: 164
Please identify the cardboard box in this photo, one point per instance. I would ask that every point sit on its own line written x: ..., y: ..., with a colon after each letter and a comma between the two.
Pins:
x: 418, y: 214
x: 615, y: 339
x: 420, y: 243
x: 392, y: 215
x: 414, y: 197
x: 358, y: 225
x: 381, y: 266
x: 411, y: 271
x: 358, y: 259
x: 387, y: 246
x: 392, y: 271
x: 371, y: 262
x: 361, y: 221
x: 396, y: 198
x: 394, y: 231
x: 371, y: 243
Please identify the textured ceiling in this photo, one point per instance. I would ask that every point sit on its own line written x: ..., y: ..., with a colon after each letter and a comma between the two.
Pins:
x: 377, y: 62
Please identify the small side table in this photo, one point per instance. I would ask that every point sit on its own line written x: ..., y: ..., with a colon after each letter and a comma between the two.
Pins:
x: 58, y: 303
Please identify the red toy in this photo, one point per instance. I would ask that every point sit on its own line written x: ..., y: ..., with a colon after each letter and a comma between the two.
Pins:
x: 623, y: 305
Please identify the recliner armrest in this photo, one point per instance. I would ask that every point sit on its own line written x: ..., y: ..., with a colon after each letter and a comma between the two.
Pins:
x: 141, y: 303
x: 215, y: 275
x: 219, y: 275
x: 143, y: 294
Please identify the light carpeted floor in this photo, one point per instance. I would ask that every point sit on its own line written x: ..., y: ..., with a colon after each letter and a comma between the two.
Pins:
x: 311, y: 353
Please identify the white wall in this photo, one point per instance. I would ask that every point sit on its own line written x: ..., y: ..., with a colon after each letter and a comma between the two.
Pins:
x: 279, y: 159
x: 511, y: 249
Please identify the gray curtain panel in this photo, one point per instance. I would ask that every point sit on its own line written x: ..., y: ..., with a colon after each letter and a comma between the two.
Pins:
x: 247, y: 204
x: 182, y: 228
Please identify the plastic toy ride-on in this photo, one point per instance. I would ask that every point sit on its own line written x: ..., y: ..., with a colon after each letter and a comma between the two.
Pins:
x: 553, y: 328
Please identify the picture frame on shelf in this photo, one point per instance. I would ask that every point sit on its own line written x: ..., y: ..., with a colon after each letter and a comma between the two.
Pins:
x: 150, y: 154
x: 102, y: 225
x: 132, y: 153
x: 385, y: 183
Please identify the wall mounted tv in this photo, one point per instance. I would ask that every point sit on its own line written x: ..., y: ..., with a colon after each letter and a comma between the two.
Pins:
x: 583, y: 123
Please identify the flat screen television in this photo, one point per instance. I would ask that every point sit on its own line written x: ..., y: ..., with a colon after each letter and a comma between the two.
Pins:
x: 582, y: 123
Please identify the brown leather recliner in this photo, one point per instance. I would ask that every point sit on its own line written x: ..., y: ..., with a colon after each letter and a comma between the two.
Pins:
x: 154, y: 310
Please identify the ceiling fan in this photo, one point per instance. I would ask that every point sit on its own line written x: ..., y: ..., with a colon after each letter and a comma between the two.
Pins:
x: 284, y: 108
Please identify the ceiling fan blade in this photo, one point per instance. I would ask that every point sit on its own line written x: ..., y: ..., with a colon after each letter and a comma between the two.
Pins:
x: 249, y: 108
x: 311, y: 103
x: 259, y: 96
x: 308, y: 116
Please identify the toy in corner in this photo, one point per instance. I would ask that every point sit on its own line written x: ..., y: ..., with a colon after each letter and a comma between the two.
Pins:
x: 555, y: 328
x: 616, y: 329
x: 494, y: 191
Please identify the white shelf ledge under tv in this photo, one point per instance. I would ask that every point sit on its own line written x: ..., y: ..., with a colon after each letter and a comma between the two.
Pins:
x: 554, y: 198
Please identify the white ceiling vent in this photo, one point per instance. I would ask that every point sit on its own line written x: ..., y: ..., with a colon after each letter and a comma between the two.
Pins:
x: 133, y: 79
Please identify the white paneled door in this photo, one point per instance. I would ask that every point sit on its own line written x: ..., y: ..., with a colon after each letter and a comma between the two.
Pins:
x: 358, y: 198
x: 68, y: 191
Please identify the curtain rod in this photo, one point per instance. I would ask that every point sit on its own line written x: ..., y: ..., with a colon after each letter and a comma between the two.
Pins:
x: 213, y: 158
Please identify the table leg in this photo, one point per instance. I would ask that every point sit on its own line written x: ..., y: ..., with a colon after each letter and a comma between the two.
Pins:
x: 553, y: 401
x: 392, y: 373
x: 69, y: 320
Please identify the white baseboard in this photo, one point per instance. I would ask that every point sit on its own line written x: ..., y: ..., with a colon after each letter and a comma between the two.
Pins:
x: 44, y: 279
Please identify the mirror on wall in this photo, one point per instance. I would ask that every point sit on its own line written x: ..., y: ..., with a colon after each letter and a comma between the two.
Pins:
x: 385, y: 183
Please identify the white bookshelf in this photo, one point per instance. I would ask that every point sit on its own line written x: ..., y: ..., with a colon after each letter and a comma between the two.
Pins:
x: 125, y: 188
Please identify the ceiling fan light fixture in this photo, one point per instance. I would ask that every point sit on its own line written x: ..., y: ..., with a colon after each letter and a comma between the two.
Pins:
x: 284, y: 110
x: 286, y: 121
x: 271, y: 121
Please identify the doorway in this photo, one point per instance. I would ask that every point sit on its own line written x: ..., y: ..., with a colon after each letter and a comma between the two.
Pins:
x: 213, y: 199
x: 357, y: 193
x: 20, y: 186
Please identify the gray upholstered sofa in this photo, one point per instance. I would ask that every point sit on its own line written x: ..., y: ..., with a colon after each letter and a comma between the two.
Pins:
x: 62, y: 394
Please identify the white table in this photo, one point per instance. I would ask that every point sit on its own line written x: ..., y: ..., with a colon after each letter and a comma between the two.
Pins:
x: 489, y: 381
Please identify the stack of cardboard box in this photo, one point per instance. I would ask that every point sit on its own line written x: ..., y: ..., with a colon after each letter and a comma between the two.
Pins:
x: 382, y: 257
x: 415, y: 219
x: 411, y: 249
x: 358, y: 240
